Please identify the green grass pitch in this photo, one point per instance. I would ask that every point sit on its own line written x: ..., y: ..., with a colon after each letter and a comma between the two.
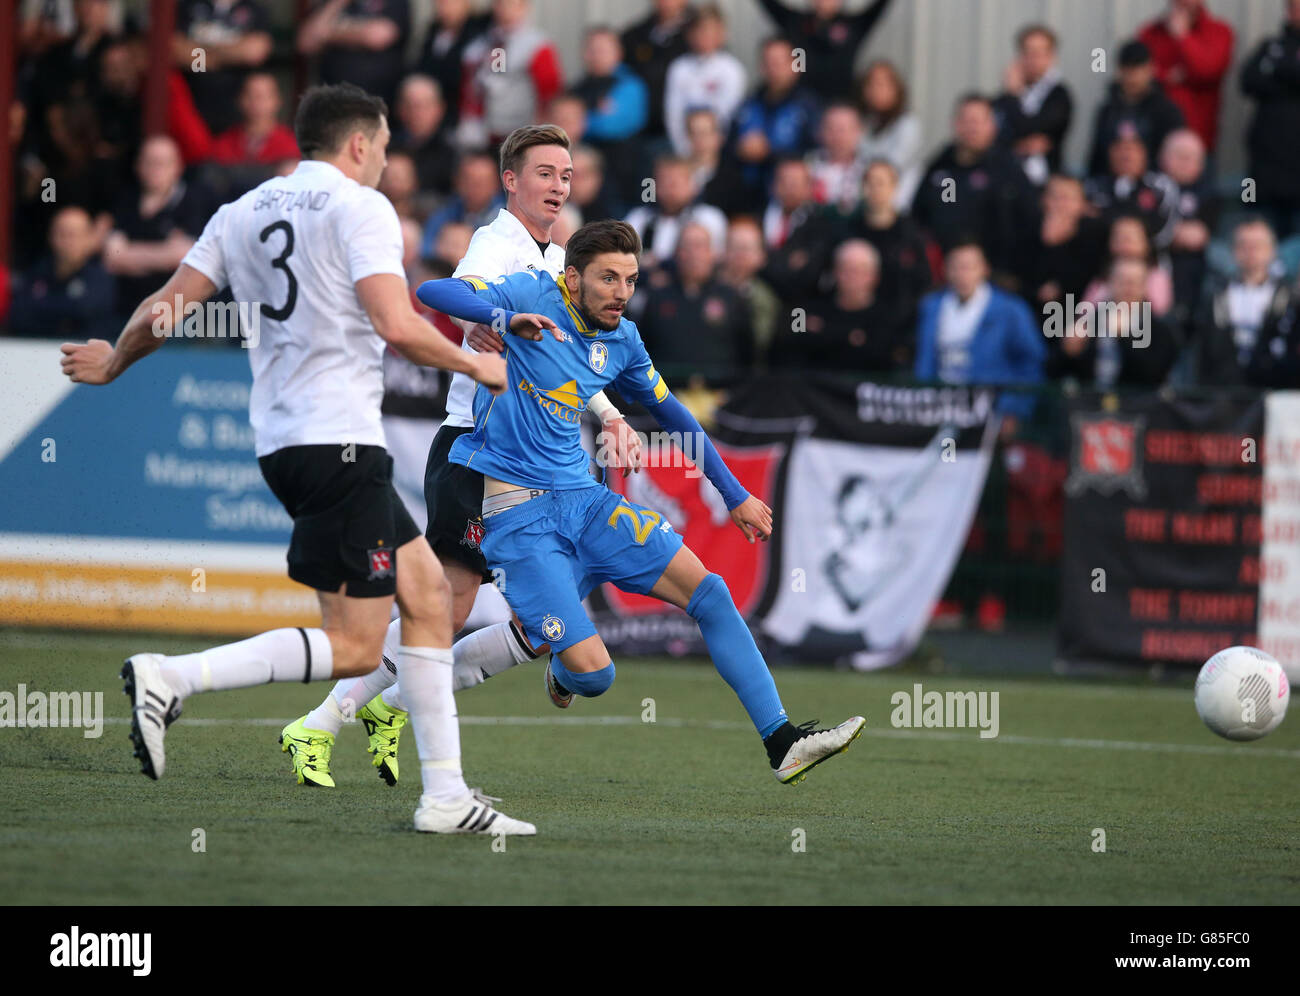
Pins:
x: 683, y: 810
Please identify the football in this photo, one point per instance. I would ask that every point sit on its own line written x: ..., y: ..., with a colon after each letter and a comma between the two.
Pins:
x: 1242, y: 693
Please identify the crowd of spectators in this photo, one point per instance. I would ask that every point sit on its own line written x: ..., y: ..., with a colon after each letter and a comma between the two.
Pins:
x: 793, y: 219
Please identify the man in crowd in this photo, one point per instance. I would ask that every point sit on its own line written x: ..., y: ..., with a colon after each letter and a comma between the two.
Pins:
x: 975, y: 186
x: 779, y: 119
x: 67, y: 293
x: 1035, y: 108
x: 696, y: 325
x: 217, y: 44
x: 829, y: 36
x: 706, y: 76
x: 358, y: 41
x: 420, y: 130
x: 660, y: 223
x: 851, y: 332
x: 1136, y: 104
x: 650, y: 46
x: 970, y: 332
x: 1236, y: 311
x: 1271, y: 77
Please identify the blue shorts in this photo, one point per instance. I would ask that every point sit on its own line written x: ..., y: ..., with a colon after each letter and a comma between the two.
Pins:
x: 548, y: 553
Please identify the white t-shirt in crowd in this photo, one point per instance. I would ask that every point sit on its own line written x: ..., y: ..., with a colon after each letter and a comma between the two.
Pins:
x: 958, y: 321
x: 293, y: 249
x: 1247, y: 306
x: 715, y: 81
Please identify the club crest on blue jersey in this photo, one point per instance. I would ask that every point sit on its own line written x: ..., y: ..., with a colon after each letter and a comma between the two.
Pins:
x: 553, y: 628
x: 598, y: 356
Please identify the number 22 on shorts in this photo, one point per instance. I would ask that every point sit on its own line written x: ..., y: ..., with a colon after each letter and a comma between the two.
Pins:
x: 642, y: 522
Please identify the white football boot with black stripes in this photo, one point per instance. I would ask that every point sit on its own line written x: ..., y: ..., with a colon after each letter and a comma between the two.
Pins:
x: 154, y: 707
x: 472, y: 814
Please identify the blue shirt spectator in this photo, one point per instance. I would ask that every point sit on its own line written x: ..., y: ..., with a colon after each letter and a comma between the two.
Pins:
x: 617, y: 99
x: 970, y: 332
x: 779, y: 120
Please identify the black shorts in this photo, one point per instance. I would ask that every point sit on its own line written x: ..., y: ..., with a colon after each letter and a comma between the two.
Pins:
x: 454, y: 497
x: 347, y: 518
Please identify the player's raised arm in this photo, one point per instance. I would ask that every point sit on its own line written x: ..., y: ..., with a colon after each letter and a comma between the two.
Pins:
x: 99, y: 362
x: 388, y: 304
x: 498, y: 304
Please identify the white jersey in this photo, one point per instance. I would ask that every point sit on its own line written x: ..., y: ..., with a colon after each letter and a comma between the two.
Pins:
x: 496, y: 250
x: 294, y: 248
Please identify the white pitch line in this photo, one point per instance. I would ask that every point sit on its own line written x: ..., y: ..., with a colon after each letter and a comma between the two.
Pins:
x: 971, y: 735
x: 1011, y: 738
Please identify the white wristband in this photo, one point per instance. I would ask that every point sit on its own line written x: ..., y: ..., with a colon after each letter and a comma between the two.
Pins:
x: 603, y: 408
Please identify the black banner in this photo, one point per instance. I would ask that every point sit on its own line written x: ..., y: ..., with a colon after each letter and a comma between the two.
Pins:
x: 1162, y: 528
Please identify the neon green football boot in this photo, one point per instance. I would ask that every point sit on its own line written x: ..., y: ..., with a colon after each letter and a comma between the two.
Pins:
x: 384, y: 728
x: 310, y: 751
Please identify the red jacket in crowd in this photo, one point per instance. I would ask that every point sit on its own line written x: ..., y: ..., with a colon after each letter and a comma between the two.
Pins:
x: 184, y: 123
x: 234, y: 147
x: 1192, y: 68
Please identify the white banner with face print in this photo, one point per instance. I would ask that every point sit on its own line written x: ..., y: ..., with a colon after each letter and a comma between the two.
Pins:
x: 870, y: 539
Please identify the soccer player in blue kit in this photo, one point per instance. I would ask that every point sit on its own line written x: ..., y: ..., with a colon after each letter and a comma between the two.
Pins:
x: 553, y: 531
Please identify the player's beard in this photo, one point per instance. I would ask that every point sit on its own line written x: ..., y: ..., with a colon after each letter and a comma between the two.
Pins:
x: 594, y: 311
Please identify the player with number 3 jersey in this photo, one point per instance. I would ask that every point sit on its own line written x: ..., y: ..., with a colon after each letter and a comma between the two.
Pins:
x: 317, y: 257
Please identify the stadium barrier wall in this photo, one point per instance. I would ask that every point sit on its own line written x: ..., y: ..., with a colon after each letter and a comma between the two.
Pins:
x: 141, y: 507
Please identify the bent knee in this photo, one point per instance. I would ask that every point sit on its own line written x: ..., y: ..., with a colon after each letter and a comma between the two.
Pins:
x: 588, y: 684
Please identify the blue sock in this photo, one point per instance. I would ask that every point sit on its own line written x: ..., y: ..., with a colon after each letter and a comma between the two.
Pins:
x: 735, y: 655
x: 588, y: 684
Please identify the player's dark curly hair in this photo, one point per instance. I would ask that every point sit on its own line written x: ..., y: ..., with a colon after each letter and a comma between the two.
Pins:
x: 598, y: 237
x: 327, y: 115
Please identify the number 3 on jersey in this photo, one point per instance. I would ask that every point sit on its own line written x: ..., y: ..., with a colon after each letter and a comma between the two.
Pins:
x: 281, y: 262
x: 642, y: 522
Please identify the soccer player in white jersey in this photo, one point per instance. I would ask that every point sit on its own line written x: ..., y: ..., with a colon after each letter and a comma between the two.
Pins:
x: 535, y: 172
x: 319, y: 253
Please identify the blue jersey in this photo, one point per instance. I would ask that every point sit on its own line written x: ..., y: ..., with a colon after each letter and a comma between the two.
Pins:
x: 529, y: 435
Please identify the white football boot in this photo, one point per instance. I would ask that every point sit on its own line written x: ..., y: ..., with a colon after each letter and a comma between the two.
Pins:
x: 154, y: 707
x: 814, y: 747
x: 472, y: 814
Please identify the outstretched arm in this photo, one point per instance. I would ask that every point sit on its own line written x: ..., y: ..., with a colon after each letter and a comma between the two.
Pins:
x: 388, y: 304
x: 97, y: 362
x: 751, y: 515
x: 473, y: 300
x: 624, y: 441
